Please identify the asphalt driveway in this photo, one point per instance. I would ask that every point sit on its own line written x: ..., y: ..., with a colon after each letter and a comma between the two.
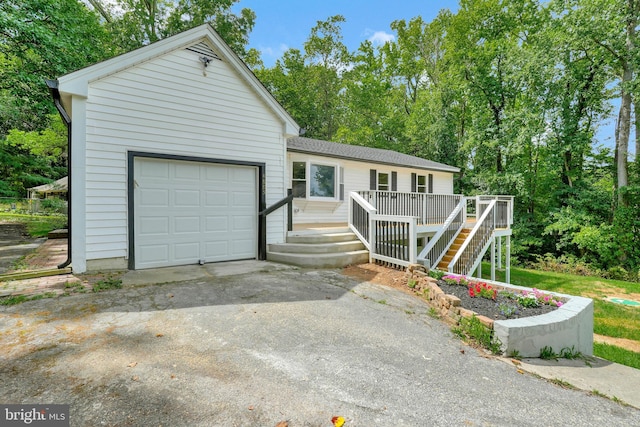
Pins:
x: 269, y: 345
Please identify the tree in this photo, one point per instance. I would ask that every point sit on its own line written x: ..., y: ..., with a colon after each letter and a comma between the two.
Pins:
x: 309, y: 85
x: 33, y: 47
x: 139, y: 22
x: 611, y: 26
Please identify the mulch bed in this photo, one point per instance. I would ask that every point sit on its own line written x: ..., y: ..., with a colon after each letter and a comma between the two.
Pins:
x: 491, y: 308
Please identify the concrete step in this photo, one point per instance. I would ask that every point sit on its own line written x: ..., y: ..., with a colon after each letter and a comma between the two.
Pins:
x: 317, y: 248
x: 315, y: 237
x: 327, y: 260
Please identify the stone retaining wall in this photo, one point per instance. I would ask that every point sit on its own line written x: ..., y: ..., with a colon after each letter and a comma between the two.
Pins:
x: 569, y: 326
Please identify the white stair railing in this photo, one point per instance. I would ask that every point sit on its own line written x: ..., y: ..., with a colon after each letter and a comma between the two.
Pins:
x: 476, y: 243
x: 442, y: 240
x: 361, y: 214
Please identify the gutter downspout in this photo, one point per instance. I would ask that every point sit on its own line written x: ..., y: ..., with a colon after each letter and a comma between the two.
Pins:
x: 55, y: 94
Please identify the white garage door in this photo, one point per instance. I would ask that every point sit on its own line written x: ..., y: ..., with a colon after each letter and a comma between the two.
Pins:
x: 186, y: 212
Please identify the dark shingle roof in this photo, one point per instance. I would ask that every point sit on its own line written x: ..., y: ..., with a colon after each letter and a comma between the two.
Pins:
x: 364, y: 154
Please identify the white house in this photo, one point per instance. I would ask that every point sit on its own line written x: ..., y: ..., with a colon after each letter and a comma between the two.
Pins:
x: 178, y: 155
x: 323, y: 172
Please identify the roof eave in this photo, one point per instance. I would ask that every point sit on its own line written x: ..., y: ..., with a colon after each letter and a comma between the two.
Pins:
x: 377, y: 162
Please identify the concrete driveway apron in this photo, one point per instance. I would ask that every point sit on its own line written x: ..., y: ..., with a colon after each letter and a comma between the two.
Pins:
x: 264, y: 344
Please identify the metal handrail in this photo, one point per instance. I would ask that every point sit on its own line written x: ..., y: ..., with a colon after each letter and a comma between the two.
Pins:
x: 262, y: 222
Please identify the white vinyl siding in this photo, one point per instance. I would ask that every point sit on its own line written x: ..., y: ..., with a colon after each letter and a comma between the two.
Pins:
x: 167, y: 106
x: 356, y: 178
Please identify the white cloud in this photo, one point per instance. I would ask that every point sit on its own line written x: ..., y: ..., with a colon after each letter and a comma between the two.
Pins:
x: 379, y: 37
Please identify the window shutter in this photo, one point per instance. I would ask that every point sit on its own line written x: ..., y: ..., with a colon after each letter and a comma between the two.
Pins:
x: 341, y: 183
x: 414, y: 178
x: 373, y: 178
x: 430, y: 183
x: 394, y: 181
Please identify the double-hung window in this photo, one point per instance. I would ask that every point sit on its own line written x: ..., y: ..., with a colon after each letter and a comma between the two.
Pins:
x: 383, y: 181
x: 422, y: 183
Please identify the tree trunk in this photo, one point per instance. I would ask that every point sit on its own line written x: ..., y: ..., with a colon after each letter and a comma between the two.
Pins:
x: 637, y: 160
x: 623, y: 131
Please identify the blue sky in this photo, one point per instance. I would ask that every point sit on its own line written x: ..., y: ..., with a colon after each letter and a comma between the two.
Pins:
x: 284, y: 24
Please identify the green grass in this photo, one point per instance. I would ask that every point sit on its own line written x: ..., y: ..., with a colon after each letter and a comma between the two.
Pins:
x: 19, y: 299
x: 107, y: 284
x: 617, y: 354
x: 37, y: 225
x: 610, y: 319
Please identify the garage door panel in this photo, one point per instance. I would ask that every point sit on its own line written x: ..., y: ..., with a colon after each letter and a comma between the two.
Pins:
x: 216, y: 251
x: 153, y: 169
x: 154, y: 226
x: 243, y: 223
x: 186, y: 172
x: 242, y: 200
x: 186, y: 198
x: 189, y: 211
x: 187, y: 251
x: 216, y: 199
x: 157, y: 253
x: 242, y: 247
x: 186, y: 225
x: 154, y: 197
x: 216, y: 224
x: 213, y: 174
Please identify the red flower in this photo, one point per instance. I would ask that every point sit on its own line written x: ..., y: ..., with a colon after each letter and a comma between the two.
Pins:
x: 471, y: 293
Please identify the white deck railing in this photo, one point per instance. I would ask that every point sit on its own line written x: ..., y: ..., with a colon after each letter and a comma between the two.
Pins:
x: 426, y: 207
x: 387, y: 223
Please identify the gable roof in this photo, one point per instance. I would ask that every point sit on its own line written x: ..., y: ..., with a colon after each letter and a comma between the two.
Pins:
x: 364, y: 154
x: 59, y: 186
x: 203, y: 40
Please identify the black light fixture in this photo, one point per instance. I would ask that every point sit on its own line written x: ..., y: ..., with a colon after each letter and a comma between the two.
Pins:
x: 205, y: 62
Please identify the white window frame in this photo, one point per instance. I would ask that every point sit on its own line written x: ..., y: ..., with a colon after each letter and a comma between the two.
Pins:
x: 388, y: 184
x: 422, y: 188
x: 337, y: 180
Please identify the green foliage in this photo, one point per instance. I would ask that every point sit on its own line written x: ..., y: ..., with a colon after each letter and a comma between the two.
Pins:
x: 547, y: 353
x: 437, y: 274
x: 477, y: 332
x: 37, y: 225
x: 107, y: 284
x: 49, y: 144
x: 137, y: 22
x: 42, y: 39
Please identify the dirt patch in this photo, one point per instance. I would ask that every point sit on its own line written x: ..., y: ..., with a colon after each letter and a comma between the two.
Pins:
x: 380, y: 275
x: 618, y: 342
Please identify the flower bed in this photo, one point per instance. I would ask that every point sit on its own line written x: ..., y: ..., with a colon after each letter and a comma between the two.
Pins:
x: 542, y: 320
x: 496, y: 302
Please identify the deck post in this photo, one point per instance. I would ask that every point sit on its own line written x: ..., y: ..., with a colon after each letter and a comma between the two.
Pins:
x: 413, y: 241
x: 508, y: 261
x: 493, y: 259
x: 499, y: 252
x: 372, y: 238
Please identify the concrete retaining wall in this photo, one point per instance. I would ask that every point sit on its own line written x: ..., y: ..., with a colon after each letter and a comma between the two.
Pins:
x: 569, y: 326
